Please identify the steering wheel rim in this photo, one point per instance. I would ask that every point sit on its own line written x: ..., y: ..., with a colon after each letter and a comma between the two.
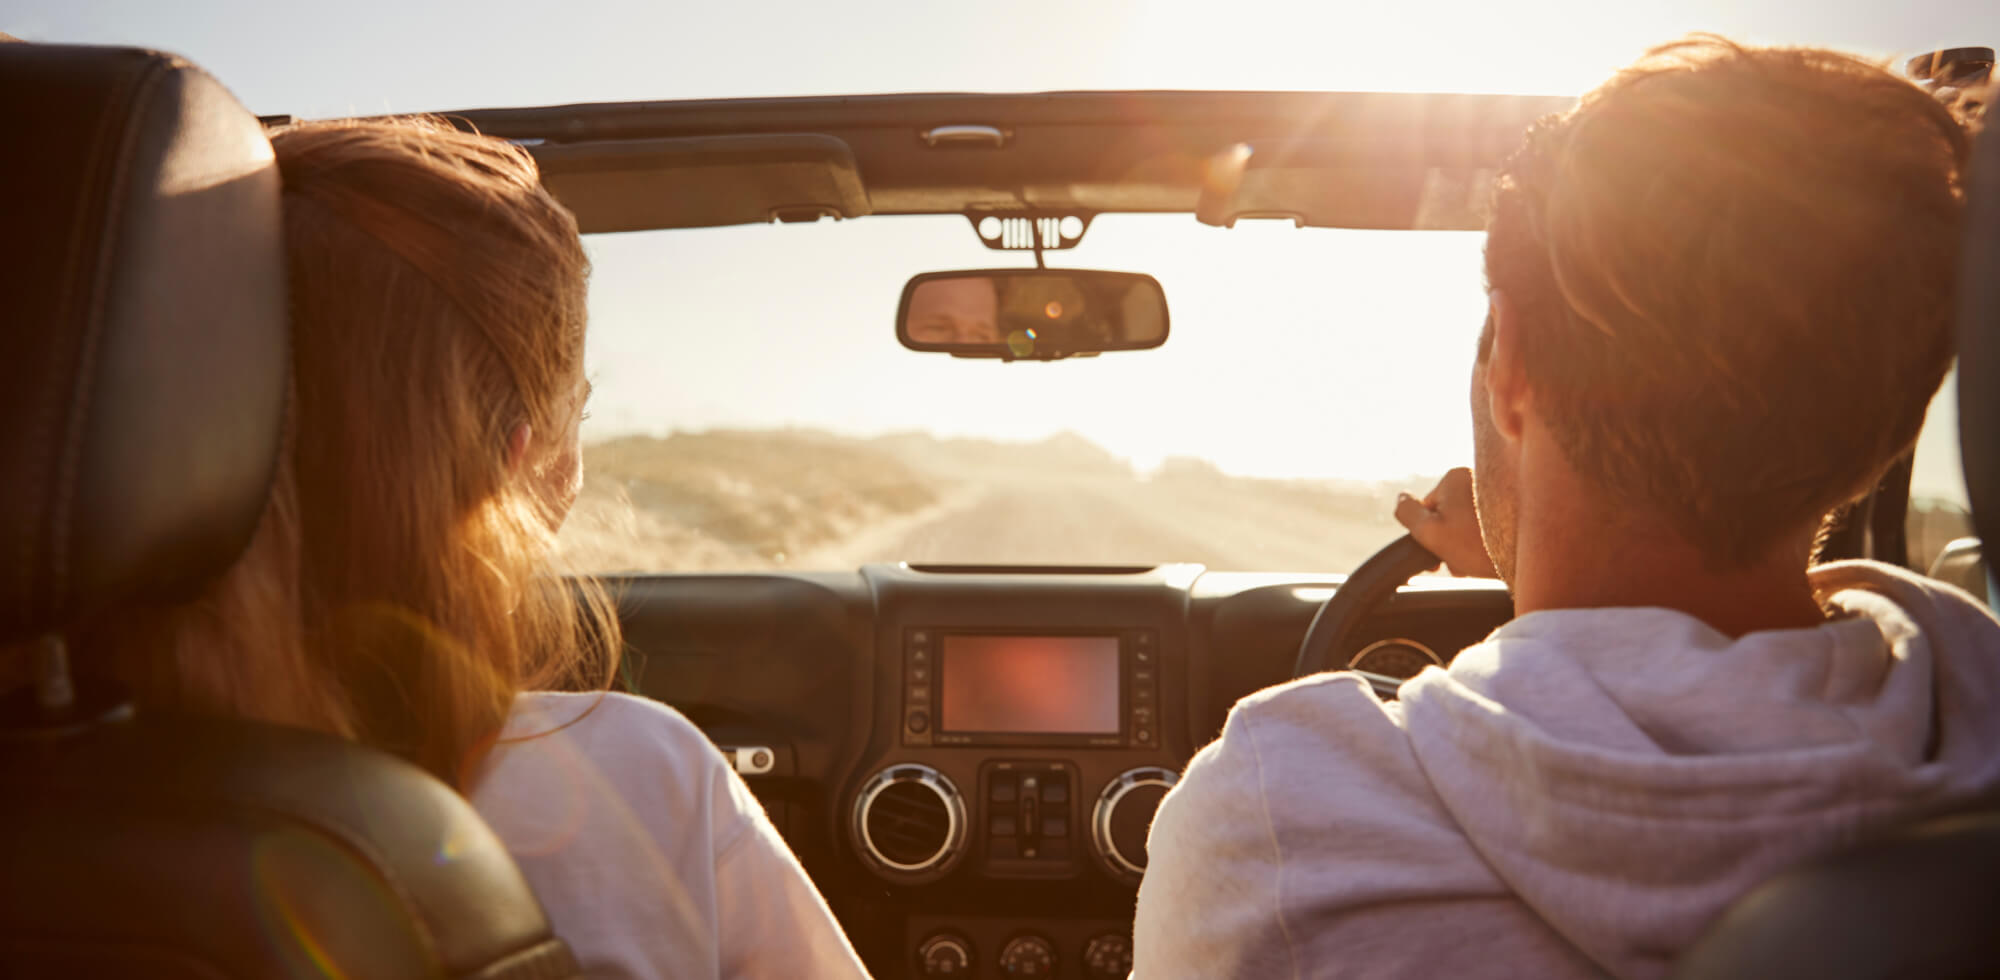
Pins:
x: 1371, y: 584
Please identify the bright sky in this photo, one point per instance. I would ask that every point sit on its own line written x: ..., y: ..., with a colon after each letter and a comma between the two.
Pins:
x: 1294, y: 353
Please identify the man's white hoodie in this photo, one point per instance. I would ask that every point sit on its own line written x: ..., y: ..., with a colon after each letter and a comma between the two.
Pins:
x: 1578, y: 795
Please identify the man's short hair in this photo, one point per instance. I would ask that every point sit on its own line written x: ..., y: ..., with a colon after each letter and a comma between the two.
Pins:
x: 1731, y: 271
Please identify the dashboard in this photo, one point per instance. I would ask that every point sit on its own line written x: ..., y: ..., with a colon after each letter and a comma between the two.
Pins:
x: 967, y: 758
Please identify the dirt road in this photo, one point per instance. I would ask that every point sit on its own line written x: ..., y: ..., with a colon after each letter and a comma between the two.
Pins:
x: 1086, y: 520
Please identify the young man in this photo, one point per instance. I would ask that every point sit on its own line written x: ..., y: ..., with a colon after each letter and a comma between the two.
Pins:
x: 1720, y: 303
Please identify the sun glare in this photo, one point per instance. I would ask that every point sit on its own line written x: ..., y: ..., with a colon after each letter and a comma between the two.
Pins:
x: 1562, y: 47
x: 1463, y: 46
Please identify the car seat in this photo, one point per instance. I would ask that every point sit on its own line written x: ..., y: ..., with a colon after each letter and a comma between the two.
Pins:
x: 144, y: 361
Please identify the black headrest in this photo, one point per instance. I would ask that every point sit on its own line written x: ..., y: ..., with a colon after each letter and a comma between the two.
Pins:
x: 1979, y: 336
x: 144, y: 351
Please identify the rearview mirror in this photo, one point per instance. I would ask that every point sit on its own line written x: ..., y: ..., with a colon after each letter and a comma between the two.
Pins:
x: 1031, y: 314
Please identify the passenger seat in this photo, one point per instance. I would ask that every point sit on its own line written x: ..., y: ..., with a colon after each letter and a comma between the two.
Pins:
x: 144, y: 363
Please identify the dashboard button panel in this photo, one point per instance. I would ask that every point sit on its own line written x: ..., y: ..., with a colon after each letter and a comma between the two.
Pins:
x: 918, y: 664
x: 1028, y: 805
x: 1142, y: 690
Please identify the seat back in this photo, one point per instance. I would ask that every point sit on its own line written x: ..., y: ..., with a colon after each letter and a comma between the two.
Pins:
x: 143, y: 370
x: 1923, y: 901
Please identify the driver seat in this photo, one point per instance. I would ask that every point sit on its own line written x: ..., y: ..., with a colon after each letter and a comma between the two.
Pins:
x: 144, y: 365
x: 1924, y: 899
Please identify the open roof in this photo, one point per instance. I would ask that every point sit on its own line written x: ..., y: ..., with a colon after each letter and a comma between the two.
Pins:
x: 1328, y: 159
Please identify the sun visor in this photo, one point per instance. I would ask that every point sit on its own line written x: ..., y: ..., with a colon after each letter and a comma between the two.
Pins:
x: 1325, y: 186
x: 1421, y: 199
x: 703, y: 181
x: 1426, y: 165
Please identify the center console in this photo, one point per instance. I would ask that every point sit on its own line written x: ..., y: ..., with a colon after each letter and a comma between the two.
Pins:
x: 1005, y: 691
x: 1028, y: 755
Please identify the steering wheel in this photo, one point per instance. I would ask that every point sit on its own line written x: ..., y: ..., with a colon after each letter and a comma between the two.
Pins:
x: 1369, y: 586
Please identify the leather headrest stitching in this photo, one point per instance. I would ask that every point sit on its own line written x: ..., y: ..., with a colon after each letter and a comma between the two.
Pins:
x: 85, y: 375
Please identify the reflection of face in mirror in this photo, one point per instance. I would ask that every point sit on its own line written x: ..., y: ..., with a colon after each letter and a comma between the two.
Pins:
x: 1033, y: 313
x: 955, y: 311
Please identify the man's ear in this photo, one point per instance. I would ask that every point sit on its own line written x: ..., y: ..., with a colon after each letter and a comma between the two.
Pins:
x: 517, y: 445
x: 1506, y: 382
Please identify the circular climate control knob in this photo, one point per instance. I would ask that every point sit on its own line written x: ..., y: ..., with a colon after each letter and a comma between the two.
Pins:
x: 1108, y: 957
x: 1123, y: 815
x: 909, y: 823
x: 946, y: 954
x: 1028, y: 956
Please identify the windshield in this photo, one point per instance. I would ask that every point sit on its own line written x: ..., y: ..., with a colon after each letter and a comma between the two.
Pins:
x: 753, y: 409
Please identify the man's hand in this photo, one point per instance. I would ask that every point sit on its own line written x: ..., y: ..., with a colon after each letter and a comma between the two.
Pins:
x: 1446, y: 522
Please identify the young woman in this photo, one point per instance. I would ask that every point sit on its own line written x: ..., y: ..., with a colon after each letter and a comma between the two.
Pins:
x: 404, y: 590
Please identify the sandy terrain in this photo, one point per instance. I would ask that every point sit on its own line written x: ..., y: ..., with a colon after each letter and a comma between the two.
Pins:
x: 742, y: 500
x: 799, y: 499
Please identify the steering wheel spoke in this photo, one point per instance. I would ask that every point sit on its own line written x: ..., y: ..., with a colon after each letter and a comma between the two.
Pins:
x: 1373, y: 583
x: 1386, y: 687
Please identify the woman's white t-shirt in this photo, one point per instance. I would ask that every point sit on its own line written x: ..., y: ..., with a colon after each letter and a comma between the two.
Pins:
x: 648, y: 851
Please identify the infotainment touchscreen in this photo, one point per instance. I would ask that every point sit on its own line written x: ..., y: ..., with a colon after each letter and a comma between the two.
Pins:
x: 1028, y: 684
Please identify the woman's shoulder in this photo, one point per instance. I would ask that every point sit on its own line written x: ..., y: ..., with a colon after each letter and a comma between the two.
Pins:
x: 601, y: 751
x: 607, y: 726
x: 597, y: 711
x: 616, y: 808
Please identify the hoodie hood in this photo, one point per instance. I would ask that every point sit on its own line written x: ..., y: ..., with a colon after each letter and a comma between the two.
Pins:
x: 1647, y: 770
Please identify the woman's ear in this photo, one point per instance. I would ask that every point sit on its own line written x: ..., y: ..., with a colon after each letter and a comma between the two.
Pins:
x: 517, y: 446
x: 1506, y: 382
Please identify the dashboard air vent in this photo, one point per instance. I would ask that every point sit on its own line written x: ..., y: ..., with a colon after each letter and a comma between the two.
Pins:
x: 909, y: 822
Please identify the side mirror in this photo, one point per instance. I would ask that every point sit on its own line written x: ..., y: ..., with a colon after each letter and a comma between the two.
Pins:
x: 1031, y: 314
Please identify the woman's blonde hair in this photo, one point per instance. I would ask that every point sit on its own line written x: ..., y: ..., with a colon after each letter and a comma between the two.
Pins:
x: 404, y: 584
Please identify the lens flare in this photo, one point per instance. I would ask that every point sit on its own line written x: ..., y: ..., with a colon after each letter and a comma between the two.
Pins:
x: 289, y: 870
